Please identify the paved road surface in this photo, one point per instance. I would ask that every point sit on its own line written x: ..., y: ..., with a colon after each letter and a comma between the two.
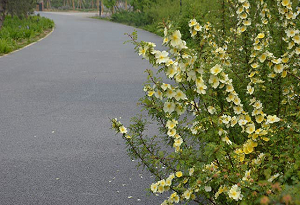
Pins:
x: 56, y: 99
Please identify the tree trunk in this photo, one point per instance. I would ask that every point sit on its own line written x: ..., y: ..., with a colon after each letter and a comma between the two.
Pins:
x: 126, y: 5
x: 48, y: 4
x: 2, y: 11
x: 97, y: 5
x: 73, y: 4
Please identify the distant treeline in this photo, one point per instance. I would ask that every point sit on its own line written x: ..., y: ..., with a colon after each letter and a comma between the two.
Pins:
x: 19, y: 8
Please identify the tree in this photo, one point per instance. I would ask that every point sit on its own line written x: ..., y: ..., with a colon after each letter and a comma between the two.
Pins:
x: 21, y: 8
x: 3, y: 4
x: 110, y: 4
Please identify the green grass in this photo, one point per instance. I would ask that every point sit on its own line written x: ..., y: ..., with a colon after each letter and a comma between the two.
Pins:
x: 17, y: 33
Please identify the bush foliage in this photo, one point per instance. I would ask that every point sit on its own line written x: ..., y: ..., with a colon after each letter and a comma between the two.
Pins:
x: 227, y: 111
x: 131, y: 18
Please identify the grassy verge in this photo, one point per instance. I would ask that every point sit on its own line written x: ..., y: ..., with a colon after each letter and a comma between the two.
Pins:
x: 17, y: 33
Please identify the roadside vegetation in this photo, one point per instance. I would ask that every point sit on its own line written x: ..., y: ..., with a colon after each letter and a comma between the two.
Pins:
x: 18, y: 26
x: 227, y: 108
x: 17, y: 33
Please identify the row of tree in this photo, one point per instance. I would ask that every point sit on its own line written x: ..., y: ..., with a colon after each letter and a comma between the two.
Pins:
x: 20, y: 8
x: 82, y: 4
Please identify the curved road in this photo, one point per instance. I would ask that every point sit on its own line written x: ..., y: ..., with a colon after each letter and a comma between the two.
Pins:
x: 56, y: 99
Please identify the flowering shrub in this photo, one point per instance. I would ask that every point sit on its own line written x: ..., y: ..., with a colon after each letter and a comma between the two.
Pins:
x: 229, y: 116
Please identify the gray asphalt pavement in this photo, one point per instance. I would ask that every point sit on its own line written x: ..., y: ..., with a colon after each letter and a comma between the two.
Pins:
x: 56, y: 99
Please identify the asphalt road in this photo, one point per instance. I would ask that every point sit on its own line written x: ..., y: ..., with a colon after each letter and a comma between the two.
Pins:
x: 56, y: 101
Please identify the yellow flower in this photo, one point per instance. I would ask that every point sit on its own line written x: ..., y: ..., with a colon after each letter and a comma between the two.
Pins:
x: 180, y: 95
x: 237, y: 100
x: 257, y: 112
x: 128, y: 137
x: 243, y: 16
x: 262, y: 58
x: 277, y: 61
x: 246, y: 5
x: 150, y: 93
x: 193, y: 32
x: 272, y: 75
x: 191, y: 171
x: 251, y: 74
x: 285, y: 2
x: 257, y: 47
x: 248, y: 147
x: 207, y: 188
x: 259, y: 118
x: 242, y: 157
x: 235, y: 193
x: 227, y: 140
x: 265, y: 21
x: 170, y: 93
x: 211, y: 109
x: 171, y: 124
x: 193, y: 22
x: 247, y: 175
x: 168, y: 182
x: 166, y: 40
x: 240, y: 10
x: 158, y: 94
x: 238, y: 109
x: 160, y: 189
x: 291, y: 45
x: 250, y: 90
x: 265, y: 139
x: 176, y: 38
x: 214, y: 80
x: 216, y: 69
x: 243, y: 29
x: 254, y: 65
x: 278, y: 68
x: 178, y: 174
x: 284, y: 74
x: 143, y: 50
x: 285, y: 60
x: 272, y: 119
x: 261, y: 35
x: 289, y: 15
x: 247, y: 22
x: 123, y: 130
x: 291, y: 32
x: 187, y: 194
x: 229, y: 88
x: 250, y: 128
x: 169, y: 107
x: 296, y: 39
x: 257, y: 105
x: 165, y: 86
x: 172, y: 132
x: 198, y: 27
x: 177, y: 142
x: 154, y: 187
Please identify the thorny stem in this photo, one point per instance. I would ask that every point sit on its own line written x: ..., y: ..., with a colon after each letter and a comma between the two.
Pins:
x: 143, y: 160
x: 298, y: 78
x: 152, y: 153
